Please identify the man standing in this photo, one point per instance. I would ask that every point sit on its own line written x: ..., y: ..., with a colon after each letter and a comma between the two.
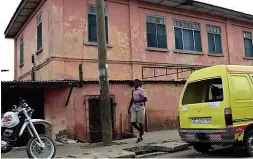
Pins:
x: 137, y: 108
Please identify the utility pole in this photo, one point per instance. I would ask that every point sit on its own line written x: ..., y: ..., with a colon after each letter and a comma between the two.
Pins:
x: 105, y: 107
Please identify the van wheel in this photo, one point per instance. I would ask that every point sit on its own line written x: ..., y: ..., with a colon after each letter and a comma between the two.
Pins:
x: 248, y: 141
x: 202, y: 148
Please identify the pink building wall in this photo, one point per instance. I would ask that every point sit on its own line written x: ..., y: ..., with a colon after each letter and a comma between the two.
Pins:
x: 65, y: 40
x: 29, y: 33
x: 161, y: 114
x: 65, y: 46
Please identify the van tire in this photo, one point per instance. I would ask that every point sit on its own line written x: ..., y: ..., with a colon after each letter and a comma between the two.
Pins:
x: 202, y: 147
x: 248, y: 141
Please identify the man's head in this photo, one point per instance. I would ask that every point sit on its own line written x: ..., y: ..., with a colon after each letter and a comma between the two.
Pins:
x: 137, y: 83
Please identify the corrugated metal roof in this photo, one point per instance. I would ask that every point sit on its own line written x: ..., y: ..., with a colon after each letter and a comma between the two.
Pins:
x: 74, y: 82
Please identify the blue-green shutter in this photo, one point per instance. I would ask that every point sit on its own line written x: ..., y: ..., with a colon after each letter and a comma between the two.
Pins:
x: 151, y: 35
x: 161, y: 36
x: 218, y: 43
x: 106, y: 28
x: 21, y: 51
x: 178, y: 39
x: 248, y: 47
x: 92, y: 28
x: 39, y: 36
x: 188, y: 39
x: 197, y: 38
x: 211, y: 44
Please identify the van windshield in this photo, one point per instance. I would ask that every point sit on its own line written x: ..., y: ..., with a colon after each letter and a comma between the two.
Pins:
x: 210, y: 90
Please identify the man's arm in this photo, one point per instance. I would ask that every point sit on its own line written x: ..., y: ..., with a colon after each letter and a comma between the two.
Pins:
x: 142, y: 99
x: 130, y: 105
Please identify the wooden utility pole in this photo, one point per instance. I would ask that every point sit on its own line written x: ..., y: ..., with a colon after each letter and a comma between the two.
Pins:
x: 105, y: 107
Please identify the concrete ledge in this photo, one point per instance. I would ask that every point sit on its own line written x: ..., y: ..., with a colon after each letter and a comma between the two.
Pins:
x: 169, y: 146
x: 118, y: 153
x: 149, y: 155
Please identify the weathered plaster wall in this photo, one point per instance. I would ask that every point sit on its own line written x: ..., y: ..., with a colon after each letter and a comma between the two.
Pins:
x: 65, y: 40
x: 29, y: 33
x: 127, y: 38
x: 161, y: 109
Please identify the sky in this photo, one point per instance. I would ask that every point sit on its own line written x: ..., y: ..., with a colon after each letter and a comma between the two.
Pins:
x: 8, y: 7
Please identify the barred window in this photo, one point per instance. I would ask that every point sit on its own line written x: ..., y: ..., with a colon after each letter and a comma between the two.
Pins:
x: 39, y: 31
x: 187, y: 35
x: 248, y: 46
x: 92, y: 23
x: 21, y: 50
x: 214, y: 39
x: 156, y: 32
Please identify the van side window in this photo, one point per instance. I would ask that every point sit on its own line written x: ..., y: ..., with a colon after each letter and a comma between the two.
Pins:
x: 204, y: 91
x: 240, y: 88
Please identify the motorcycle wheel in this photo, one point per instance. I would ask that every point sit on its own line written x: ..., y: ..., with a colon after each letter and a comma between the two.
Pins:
x: 35, y: 151
x: 8, y: 149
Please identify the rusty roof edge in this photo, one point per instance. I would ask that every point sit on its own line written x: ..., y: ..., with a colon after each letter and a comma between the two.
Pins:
x: 23, y: 2
x: 21, y: 5
x: 218, y: 8
x: 14, y: 16
x: 86, y: 81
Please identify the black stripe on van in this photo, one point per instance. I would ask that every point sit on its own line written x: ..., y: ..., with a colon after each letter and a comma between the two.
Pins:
x: 242, y: 120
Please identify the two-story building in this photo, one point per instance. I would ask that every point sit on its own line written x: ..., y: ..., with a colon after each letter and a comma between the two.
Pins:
x: 153, y: 40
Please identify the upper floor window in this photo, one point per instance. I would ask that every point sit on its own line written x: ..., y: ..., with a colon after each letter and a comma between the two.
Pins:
x: 248, y: 46
x: 156, y: 32
x: 92, y: 23
x: 21, y: 50
x: 214, y: 39
x: 187, y: 35
x: 39, y: 31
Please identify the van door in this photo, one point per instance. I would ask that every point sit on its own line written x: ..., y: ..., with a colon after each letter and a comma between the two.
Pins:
x: 241, y: 92
x: 203, y: 104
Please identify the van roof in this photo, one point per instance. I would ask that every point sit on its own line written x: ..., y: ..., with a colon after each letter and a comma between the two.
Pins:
x: 219, y: 70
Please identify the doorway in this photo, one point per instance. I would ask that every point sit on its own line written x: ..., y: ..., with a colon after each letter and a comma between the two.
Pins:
x: 95, y: 128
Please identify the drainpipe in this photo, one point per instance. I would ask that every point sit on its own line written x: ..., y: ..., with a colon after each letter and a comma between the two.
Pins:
x: 33, y: 68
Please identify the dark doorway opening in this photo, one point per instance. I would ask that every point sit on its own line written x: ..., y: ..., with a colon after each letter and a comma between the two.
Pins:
x: 34, y: 98
x: 95, y: 128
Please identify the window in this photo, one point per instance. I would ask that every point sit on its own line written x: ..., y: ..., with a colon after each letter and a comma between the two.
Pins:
x: 248, y: 46
x: 39, y: 32
x: 21, y: 50
x: 214, y: 39
x: 156, y: 32
x: 187, y: 36
x: 204, y: 91
x: 92, y: 24
x: 240, y: 88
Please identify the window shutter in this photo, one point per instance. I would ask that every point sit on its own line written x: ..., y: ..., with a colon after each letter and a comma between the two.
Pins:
x: 248, y: 47
x: 106, y: 29
x: 197, y: 38
x: 92, y: 27
x: 188, y: 39
x: 21, y: 49
x: 178, y: 39
x: 211, y: 45
x: 218, y: 43
x: 161, y: 36
x: 151, y: 35
x: 39, y: 36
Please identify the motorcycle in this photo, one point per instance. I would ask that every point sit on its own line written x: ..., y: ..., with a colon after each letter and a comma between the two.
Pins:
x: 13, y: 125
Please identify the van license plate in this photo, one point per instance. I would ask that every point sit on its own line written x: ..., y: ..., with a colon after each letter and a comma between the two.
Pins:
x: 201, y: 120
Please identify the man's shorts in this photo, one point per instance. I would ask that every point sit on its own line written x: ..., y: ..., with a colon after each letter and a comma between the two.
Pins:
x: 138, y: 116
